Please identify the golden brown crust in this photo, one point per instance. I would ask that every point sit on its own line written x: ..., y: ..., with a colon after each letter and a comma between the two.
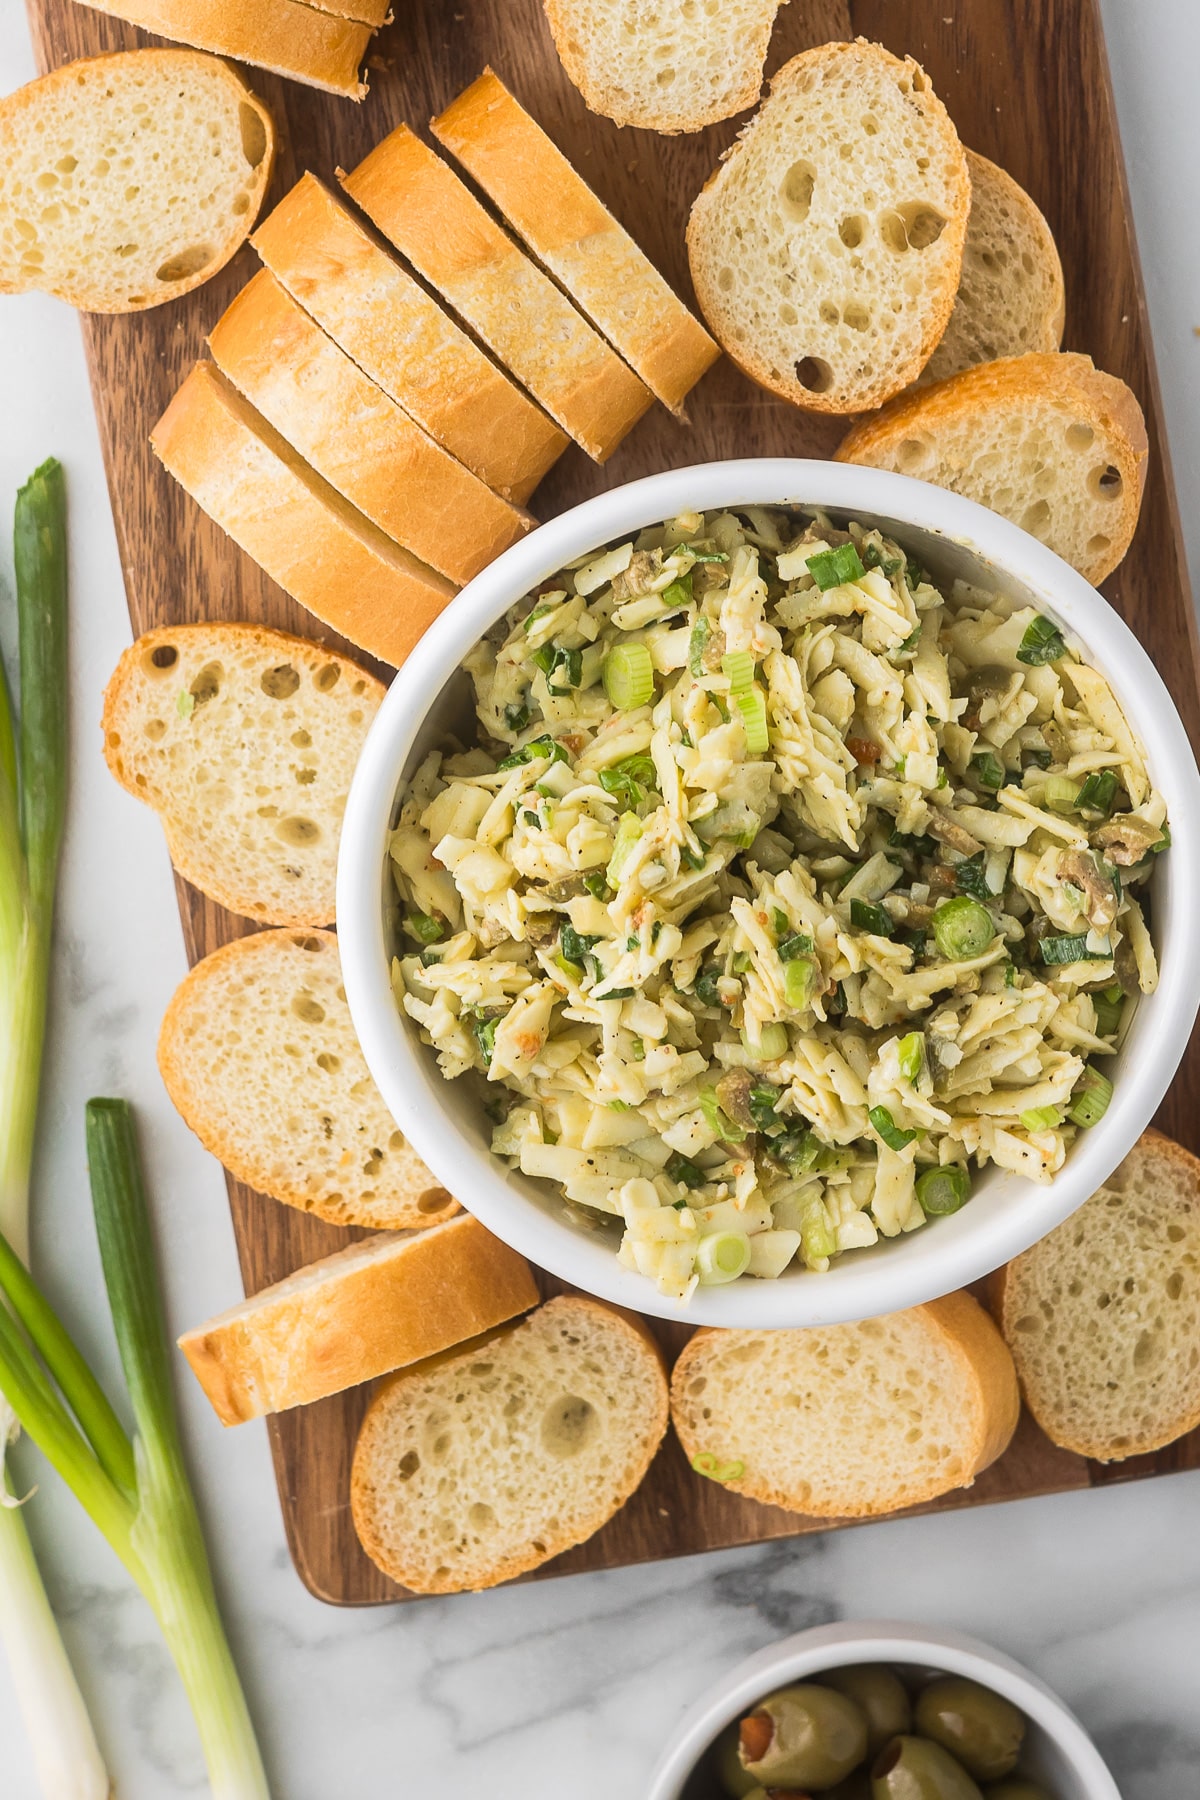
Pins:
x: 285, y: 36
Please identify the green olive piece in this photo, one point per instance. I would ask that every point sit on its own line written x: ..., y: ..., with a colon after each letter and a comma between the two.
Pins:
x: 980, y: 1727
x: 912, y: 1768
x: 727, y: 1765
x: 1017, y: 1789
x: 816, y: 1737
x: 881, y: 1696
x: 857, y: 1786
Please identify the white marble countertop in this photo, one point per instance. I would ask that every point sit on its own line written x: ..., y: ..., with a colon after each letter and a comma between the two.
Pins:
x: 565, y: 1688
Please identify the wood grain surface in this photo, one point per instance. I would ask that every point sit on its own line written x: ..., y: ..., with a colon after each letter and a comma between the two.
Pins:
x: 1027, y: 84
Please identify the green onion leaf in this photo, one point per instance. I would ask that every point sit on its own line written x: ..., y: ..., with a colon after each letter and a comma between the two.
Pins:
x: 1089, y: 1103
x: 516, y: 716
x: 597, y: 887
x: 885, y: 1126
x: 706, y: 985
x: 866, y: 916
x: 534, y: 751
x: 989, y: 770
x: 688, y: 1174
x: 424, y: 927
x: 771, y: 1045
x: 944, y: 1190
x: 962, y: 929
x: 831, y: 568
x: 1064, y: 948
x: 628, y: 676
x: 697, y: 643
x: 574, y: 946
x: 763, y: 1101
x: 970, y: 876
x: 1098, y: 793
x: 629, y: 780
x: 798, y: 1150
x: 796, y: 943
x: 531, y: 619
x: 739, y: 666
x: 678, y: 592
x: 1043, y: 642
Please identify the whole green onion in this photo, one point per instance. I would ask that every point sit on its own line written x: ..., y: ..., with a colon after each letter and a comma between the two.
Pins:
x: 963, y: 928
x: 1090, y: 1100
x: 943, y: 1190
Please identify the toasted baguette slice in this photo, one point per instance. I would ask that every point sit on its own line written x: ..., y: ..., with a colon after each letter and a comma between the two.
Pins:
x: 286, y: 36
x: 666, y: 67
x: 531, y: 182
x: 422, y: 207
x: 357, y: 438
x: 406, y: 343
x: 486, y: 1463
x: 1051, y: 442
x: 360, y: 1313
x: 126, y: 180
x: 850, y: 1421
x: 826, y: 249
x: 245, y: 741
x: 259, y: 1056
x: 1010, y: 296
x: 1103, y: 1315
x: 298, y: 528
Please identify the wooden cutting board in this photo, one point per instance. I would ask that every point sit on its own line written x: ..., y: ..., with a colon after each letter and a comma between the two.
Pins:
x: 1027, y: 84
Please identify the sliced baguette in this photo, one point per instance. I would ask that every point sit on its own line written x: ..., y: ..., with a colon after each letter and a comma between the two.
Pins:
x: 126, y: 180
x: 826, y: 248
x: 406, y: 343
x: 358, y: 439
x: 1051, y: 442
x: 1010, y: 297
x: 355, y: 1315
x: 298, y: 528
x: 286, y: 36
x: 850, y: 1421
x: 245, y: 741
x: 1103, y: 1315
x: 486, y: 1463
x: 552, y: 208
x: 666, y: 67
x: 422, y: 207
x: 258, y: 1054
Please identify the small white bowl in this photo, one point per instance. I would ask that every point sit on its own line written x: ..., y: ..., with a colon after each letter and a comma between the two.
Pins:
x: 1058, y: 1751
x: 444, y: 1121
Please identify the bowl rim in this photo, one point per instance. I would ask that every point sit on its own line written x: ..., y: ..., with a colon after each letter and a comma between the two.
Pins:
x: 921, y: 1265
x: 824, y: 1647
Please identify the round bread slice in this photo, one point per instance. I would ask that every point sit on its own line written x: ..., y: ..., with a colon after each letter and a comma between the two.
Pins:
x: 1103, y: 1315
x: 126, y: 180
x: 826, y: 249
x: 245, y: 741
x: 258, y: 1053
x: 478, y: 1466
x: 850, y: 1421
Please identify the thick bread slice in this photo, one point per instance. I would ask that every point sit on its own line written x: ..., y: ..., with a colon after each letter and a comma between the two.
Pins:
x: 360, y: 1313
x: 357, y: 438
x: 126, y: 180
x: 849, y: 1421
x: 1103, y: 1316
x: 406, y: 343
x: 1010, y: 296
x: 422, y: 207
x: 1051, y: 442
x: 666, y: 65
x: 488, y: 1462
x: 245, y: 741
x: 286, y: 36
x: 259, y: 1056
x: 298, y: 528
x: 826, y: 248
x: 610, y: 279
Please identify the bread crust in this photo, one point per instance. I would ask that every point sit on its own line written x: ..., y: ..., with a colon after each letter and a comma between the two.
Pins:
x: 286, y: 36
x: 360, y: 1313
x: 292, y: 523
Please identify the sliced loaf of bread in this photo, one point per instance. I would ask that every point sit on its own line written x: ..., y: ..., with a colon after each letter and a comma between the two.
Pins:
x: 258, y: 1053
x: 1103, y: 1315
x: 826, y: 248
x: 289, y: 37
x: 484, y: 1463
x: 1051, y: 442
x: 849, y: 1421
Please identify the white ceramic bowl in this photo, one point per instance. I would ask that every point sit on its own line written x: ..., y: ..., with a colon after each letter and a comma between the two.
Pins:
x: 950, y: 536
x: 1058, y: 1751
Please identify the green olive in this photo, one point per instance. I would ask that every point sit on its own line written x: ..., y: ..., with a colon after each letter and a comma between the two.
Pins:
x: 980, y: 1727
x: 816, y: 1737
x: 912, y: 1768
x: 1018, y: 1789
x: 727, y: 1765
x: 880, y: 1695
x: 857, y: 1786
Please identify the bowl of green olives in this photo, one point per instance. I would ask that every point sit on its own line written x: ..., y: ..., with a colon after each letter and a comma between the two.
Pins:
x: 881, y: 1711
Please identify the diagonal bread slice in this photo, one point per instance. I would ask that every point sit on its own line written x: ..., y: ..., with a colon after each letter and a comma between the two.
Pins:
x: 530, y: 181
x: 1010, y: 297
x: 480, y: 1465
x: 422, y: 207
x: 288, y: 37
x: 1103, y: 1315
x: 299, y: 529
x: 356, y: 438
x: 826, y: 248
x: 406, y: 342
x: 666, y: 67
x: 259, y: 1055
x: 244, y: 741
x: 366, y: 1310
x: 850, y: 1421
x: 1051, y: 442
x: 127, y: 180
